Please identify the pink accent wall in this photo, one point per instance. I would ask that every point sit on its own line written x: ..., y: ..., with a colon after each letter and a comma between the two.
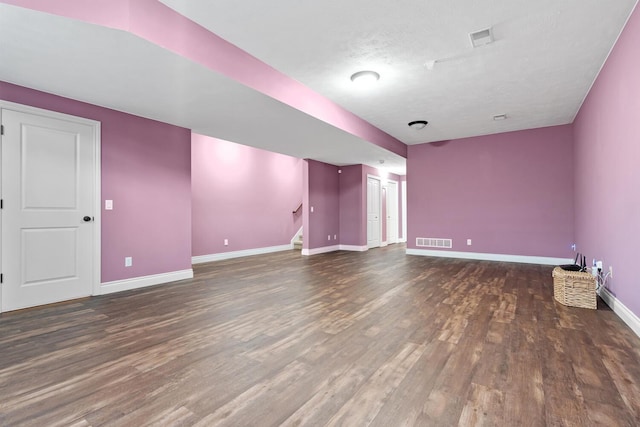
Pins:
x: 323, y: 194
x: 607, y: 167
x: 146, y: 169
x: 161, y: 25
x: 353, y: 206
x: 243, y: 194
x: 511, y: 193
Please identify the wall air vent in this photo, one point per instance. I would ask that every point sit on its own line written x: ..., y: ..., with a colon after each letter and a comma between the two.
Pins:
x: 429, y: 242
x: 482, y: 37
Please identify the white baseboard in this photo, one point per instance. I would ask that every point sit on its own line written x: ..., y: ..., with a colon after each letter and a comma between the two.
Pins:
x: 238, y: 254
x: 383, y: 244
x: 621, y: 310
x: 491, y: 257
x: 322, y: 250
x: 144, y: 281
x: 353, y: 248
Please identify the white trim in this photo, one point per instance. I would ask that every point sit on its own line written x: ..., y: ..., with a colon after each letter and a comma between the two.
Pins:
x: 383, y: 244
x: 322, y: 250
x: 144, y: 281
x: 97, y: 181
x: 395, y: 202
x: 621, y: 310
x: 404, y: 211
x: 97, y: 230
x: 491, y: 257
x: 296, y: 236
x: 353, y: 248
x: 403, y: 240
x: 199, y: 259
x: 379, y: 179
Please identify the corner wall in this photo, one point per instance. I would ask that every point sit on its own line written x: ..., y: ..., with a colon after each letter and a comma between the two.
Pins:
x: 242, y: 194
x: 353, y: 202
x: 322, y: 228
x: 607, y: 168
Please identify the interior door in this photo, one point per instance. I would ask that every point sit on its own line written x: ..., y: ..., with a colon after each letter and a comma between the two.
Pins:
x: 392, y: 212
x: 373, y: 212
x: 48, y: 193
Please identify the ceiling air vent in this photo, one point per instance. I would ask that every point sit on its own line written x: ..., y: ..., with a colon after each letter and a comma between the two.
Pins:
x: 482, y: 37
x: 429, y: 242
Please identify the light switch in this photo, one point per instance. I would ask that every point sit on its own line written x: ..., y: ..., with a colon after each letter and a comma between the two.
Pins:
x: 108, y: 205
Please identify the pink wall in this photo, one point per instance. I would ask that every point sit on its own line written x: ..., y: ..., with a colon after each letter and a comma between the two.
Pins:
x: 242, y: 194
x: 146, y: 172
x: 607, y: 167
x: 353, y: 202
x: 511, y: 193
x: 323, y: 195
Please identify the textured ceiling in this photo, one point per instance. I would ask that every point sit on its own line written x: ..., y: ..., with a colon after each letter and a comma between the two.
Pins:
x: 118, y: 70
x: 544, y: 59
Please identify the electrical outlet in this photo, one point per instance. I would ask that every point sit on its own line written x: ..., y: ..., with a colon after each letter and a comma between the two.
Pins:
x: 329, y: 237
x: 311, y: 209
x: 335, y: 236
x: 611, y: 271
x: 226, y: 242
x: 599, y: 265
x: 468, y: 242
x: 128, y: 261
x: 108, y: 205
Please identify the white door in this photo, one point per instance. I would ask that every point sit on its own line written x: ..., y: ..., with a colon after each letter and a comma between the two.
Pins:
x: 373, y: 212
x: 48, y: 194
x: 392, y: 212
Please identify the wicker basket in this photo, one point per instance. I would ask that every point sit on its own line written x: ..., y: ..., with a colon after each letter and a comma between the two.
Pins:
x: 574, y: 288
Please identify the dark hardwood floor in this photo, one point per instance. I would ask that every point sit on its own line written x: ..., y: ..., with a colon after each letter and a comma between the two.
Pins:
x: 347, y: 339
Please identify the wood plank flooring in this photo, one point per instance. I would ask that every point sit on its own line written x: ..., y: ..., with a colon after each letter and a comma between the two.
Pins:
x: 345, y: 339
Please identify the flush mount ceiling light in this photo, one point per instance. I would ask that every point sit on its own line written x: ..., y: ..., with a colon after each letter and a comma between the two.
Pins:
x: 418, y: 124
x: 365, y: 77
x: 482, y: 37
x: 500, y: 117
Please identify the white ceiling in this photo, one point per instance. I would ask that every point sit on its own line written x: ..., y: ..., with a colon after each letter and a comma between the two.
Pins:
x: 546, y: 55
x: 538, y: 71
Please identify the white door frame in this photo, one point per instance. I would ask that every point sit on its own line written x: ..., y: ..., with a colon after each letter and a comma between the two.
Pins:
x: 97, y: 229
x: 404, y: 211
x: 379, y: 207
x: 395, y: 204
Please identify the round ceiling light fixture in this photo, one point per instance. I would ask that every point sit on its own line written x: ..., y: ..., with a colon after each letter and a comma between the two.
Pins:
x: 418, y: 124
x: 362, y: 78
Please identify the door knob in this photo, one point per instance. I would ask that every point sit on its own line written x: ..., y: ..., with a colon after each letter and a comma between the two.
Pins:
x: 87, y: 219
